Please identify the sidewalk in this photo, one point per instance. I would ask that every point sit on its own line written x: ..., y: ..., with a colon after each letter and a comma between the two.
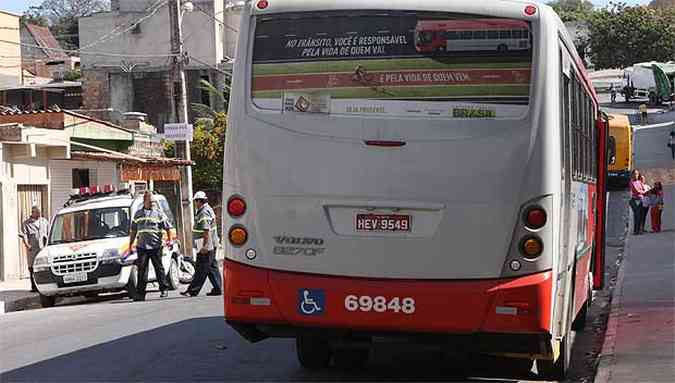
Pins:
x: 640, y: 340
x: 15, y: 295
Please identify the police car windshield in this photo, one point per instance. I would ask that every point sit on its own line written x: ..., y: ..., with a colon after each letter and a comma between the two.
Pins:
x: 91, y: 224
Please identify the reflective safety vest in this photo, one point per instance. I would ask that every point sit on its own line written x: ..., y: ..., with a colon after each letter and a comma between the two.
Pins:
x: 149, y: 226
x: 205, y: 220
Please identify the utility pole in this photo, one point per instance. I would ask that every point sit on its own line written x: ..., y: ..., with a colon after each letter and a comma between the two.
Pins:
x: 182, y: 149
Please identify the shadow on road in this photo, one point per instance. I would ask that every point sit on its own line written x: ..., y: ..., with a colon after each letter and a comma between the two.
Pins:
x: 204, y: 349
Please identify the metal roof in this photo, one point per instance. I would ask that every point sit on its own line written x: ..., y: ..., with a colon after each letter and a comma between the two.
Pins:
x: 45, y: 39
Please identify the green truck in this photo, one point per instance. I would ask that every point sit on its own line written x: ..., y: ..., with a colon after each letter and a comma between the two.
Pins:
x: 652, y: 80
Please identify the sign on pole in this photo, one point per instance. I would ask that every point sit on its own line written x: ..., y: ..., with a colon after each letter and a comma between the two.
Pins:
x: 178, y: 132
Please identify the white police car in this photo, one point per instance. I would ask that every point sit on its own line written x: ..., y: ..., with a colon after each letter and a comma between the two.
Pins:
x: 88, y: 248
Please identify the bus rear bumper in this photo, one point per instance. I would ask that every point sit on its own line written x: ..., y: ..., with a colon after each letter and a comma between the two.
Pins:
x: 263, y: 303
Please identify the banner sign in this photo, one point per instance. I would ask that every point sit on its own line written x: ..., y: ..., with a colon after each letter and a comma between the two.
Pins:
x: 132, y: 172
x: 178, y: 132
x: 381, y: 62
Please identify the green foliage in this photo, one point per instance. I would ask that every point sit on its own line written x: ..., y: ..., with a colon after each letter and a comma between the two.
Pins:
x: 72, y: 75
x: 221, y: 96
x: 207, y: 149
x: 572, y: 10
x: 621, y: 36
x: 34, y: 16
x: 207, y: 152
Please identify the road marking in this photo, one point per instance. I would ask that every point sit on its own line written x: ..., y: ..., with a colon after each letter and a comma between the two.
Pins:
x: 640, y: 127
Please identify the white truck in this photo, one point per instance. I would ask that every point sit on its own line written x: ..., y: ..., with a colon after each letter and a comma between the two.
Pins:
x: 88, y: 249
x: 646, y: 80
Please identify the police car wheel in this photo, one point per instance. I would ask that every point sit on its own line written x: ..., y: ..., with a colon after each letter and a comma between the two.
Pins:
x: 172, y: 277
x: 47, y: 301
x: 313, y: 352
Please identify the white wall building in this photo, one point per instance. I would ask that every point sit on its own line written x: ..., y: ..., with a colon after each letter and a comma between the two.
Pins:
x: 25, y: 155
x: 131, y: 83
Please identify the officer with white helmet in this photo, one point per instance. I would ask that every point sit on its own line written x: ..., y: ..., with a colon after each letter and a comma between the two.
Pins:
x: 205, y: 239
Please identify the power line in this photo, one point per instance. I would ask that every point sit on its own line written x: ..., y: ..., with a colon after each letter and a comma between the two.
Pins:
x: 152, y: 10
x: 89, y: 53
x: 215, y: 18
x: 211, y: 66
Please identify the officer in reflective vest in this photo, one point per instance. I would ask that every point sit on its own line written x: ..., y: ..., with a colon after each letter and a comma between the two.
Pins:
x: 147, y: 226
x: 206, y: 240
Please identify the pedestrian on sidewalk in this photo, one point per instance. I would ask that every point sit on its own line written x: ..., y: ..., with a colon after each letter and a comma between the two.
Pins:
x: 637, y: 191
x: 655, y: 198
x: 147, y: 227
x: 612, y: 91
x: 643, y: 114
x: 645, y: 204
x: 34, y: 232
x: 205, y: 235
x: 671, y: 143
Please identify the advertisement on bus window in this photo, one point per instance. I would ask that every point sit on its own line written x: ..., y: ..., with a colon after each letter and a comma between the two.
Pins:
x: 393, y: 64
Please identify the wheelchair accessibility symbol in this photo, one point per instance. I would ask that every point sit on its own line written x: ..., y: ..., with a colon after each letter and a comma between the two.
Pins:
x: 311, y: 302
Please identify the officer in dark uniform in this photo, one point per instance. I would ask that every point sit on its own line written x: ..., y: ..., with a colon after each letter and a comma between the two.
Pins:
x: 147, y: 226
x: 206, y: 239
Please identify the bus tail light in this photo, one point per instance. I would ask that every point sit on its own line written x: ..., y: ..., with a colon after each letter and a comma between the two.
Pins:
x: 238, y: 235
x: 531, y: 247
x: 236, y: 207
x: 535, y: 218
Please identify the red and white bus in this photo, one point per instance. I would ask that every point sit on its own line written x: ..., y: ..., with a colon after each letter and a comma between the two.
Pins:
x: 375, y: 192
x: 471, y: 35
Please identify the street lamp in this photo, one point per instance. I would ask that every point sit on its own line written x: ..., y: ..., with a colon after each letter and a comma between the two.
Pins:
x: 187, y: 7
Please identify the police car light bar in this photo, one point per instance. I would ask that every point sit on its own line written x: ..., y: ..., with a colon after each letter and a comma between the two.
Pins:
x: 108, y: 188
x: 92, y: 191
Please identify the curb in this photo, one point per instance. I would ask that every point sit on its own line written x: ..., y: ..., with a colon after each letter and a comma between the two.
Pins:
x: 607, y: 357
x: 19, y: 304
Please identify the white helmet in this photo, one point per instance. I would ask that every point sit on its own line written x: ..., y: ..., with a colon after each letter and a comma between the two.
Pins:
x: 200, y: 195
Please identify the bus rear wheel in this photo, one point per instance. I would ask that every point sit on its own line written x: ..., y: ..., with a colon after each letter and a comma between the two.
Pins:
x: 502, y: 48
x: 313, y: 352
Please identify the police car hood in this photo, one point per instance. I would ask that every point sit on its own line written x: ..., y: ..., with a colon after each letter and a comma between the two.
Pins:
x: 84, y: 247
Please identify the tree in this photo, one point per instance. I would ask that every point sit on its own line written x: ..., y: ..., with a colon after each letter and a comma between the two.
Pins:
x: 34, y: 16
x: 62, y: 16
x: 221, y: 96
x: 621, y: 36
x: 572, y: 10
x: 208, y: 143
x: 207, y: 151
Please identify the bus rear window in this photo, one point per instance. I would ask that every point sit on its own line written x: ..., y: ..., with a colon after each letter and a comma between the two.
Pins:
x: 393, y: 64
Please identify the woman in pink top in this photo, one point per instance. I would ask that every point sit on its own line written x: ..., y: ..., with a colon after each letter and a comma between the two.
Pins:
x: 637, y: 193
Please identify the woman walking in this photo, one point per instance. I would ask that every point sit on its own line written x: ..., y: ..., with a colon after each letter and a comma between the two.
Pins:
x: 637, y: 192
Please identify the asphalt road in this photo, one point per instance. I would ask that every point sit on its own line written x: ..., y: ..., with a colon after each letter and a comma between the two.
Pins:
x: 185, y: 339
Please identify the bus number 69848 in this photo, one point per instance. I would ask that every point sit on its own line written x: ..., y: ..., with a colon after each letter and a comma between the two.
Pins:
x: 379, y: 304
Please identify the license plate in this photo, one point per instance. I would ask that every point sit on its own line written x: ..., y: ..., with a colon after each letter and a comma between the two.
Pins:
x: 75, y: 278
x: 383, y: 222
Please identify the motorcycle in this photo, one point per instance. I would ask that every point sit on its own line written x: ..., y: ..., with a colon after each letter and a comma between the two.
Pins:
x: 186, y: 268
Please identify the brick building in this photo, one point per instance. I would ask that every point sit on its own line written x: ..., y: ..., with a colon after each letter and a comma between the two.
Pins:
x: 146, y: 83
